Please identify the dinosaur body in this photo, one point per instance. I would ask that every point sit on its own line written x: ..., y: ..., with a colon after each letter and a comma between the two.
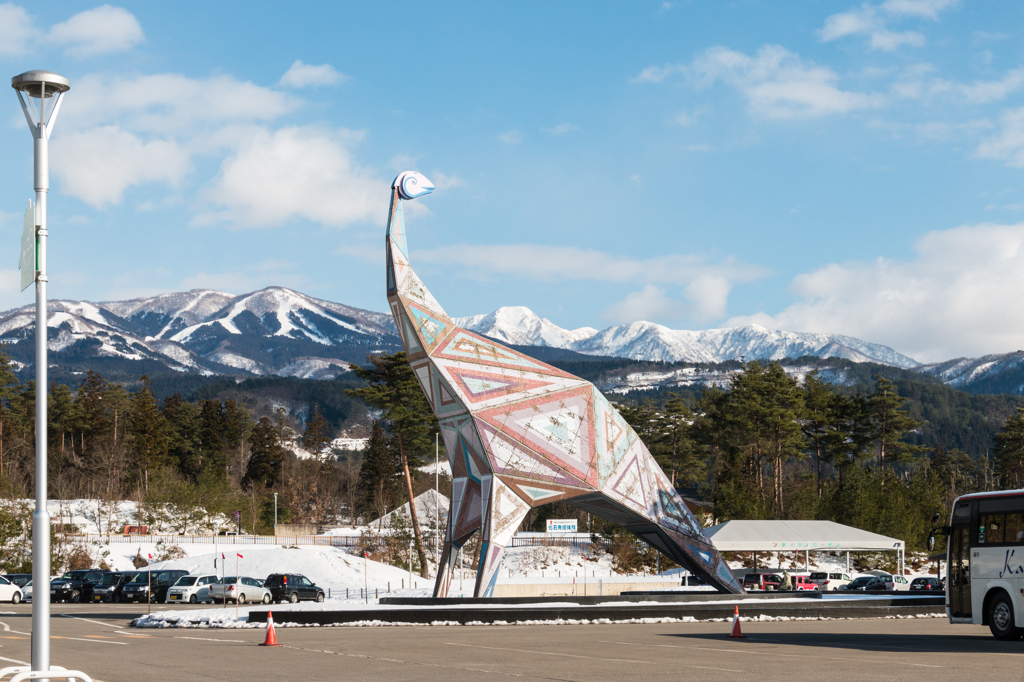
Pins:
x: 521, y: 433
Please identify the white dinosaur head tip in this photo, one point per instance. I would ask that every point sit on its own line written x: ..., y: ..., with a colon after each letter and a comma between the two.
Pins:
x: 411, y: 184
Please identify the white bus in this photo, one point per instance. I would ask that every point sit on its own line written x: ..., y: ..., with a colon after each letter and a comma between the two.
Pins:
x: 985, y: 561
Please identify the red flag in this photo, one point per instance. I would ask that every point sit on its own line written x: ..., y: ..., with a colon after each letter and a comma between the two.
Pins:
x: 366, y: 554
x: 222, y: 555
x: 150, y: 556
x: 240, y: 556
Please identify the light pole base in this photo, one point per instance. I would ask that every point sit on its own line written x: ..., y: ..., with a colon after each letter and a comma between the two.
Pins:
x: 24, y: 672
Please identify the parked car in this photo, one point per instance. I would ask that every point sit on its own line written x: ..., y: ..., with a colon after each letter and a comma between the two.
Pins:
x: 75, y: 586
x: 900, y: 583
x: 150, y: 585
x: 9, y: 591
x: 19, y: 579
x: 926, y: 584
x: 110, y: 586
x: 761, y: 581
x: 293, y: 587
x: 802, y: 583
x: 240, y: 589
x: 830, y: 582
x: 26, y: 591
x: 866, y: 583
x: 191, y: 589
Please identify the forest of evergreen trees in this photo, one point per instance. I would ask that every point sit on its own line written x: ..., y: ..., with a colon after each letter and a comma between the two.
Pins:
x: 769, y: 447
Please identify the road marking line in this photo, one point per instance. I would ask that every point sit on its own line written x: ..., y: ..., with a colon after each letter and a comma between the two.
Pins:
x: 211, y: 639
x: 546, y: 653
x: 7, y: 628
x: 7, y: 637
x: 130, y: 634
x: 14, y: 660
x: 97, y: 637
x: 770, y: 653
x: 91, y: 641
x: 89, y: 620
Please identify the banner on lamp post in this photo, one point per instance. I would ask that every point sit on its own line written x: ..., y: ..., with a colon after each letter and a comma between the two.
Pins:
x: 27, y: 262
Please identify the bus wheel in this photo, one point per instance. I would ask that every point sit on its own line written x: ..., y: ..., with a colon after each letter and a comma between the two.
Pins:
x: 1000, y: 618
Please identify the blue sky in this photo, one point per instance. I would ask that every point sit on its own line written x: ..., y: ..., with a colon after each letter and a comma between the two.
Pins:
x: 851, y: 168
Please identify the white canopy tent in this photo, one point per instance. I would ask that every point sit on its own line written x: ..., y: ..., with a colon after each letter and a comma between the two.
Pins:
x: 801, y: 536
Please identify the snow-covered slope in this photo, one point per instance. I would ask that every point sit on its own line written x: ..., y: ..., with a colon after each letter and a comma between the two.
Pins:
x: 271, y: 331
x: 649, y: 341
x: 988, y: 374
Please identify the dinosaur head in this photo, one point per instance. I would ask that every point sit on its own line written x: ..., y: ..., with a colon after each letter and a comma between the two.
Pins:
x: 411, y: 184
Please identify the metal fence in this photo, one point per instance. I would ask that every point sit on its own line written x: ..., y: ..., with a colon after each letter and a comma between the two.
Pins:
x: 300, y: 540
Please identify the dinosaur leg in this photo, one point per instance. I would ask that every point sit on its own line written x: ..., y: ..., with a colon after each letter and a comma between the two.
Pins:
x: 464, y: 519
x: 504, y: 511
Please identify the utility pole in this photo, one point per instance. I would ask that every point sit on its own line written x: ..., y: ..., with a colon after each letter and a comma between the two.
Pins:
x: 48, y: 88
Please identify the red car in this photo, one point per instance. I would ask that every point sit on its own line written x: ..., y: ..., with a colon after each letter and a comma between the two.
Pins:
x: 761, y: 581
x: 801, y: 583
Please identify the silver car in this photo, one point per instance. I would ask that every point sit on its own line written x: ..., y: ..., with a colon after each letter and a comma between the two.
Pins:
x: 239, y: 589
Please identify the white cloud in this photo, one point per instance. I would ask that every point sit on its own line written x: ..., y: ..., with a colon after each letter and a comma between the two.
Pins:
x: 561, y: 129
x: 650, y: 303
x: 656, y: 74
x: 16, y: 29
x: 443, y: 181
x: 171, y: 102
x: 511, y: 137
x: 562, y: 263
x: 302, y: 75
x: 981, y: 92
x: 866, y: 21
x: 928, y: 9
x: 956, y: 297
x: 295, y: 173
x: 708, y: 296
x: 268, y: 273
x: 778, y: 84
x: 98, y: 31
x: 99, y: 164
x: 1008, y: 143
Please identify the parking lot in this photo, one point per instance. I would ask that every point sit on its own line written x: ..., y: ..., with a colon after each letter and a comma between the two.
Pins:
x: 96, y: 639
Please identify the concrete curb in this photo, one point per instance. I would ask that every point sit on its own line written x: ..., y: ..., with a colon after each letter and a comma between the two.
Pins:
x: 704, y: 611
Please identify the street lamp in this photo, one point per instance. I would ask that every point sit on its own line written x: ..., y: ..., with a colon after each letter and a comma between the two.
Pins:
x: 275, y: 513
x: 45, y: 89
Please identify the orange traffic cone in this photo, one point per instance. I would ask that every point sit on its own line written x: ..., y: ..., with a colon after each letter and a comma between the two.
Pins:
x: 271, y: 635
x: 736, y: 634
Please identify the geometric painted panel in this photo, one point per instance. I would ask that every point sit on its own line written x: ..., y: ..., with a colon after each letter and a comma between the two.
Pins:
x: 521, y: 433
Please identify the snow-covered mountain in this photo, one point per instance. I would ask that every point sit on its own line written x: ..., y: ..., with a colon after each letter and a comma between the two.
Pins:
x: 988, y: 374
x: 649, y: 341
x: 271, y: 331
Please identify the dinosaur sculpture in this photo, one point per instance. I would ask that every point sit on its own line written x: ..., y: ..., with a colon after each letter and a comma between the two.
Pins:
x: 521, y: 433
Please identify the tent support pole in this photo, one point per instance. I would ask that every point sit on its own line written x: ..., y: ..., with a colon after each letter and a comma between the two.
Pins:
x: 847, y: 562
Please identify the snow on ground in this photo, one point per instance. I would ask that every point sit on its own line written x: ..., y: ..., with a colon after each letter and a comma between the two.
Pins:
x: 329, y: 567
x: 225, y: 617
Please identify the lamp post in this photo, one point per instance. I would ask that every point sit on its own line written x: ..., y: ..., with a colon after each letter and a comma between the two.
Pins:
x: 275, y: 513
x: 45, y: 87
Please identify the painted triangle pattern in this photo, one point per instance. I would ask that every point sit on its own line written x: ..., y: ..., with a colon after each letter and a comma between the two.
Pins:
x: 520, y: 433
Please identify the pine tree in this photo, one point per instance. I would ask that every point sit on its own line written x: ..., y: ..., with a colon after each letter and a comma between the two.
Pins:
x: 182, y: 420
x: 264, y: 466
x: 1009, y: 450
x: 8, y: 389
x: 61, y: 412
x: 394, y: 390
x: 378, y: 473
x: 148, y: 431
x: 818, y: 400
x: 316, y: 437
x: 212, y: 439
x: 675, y: 425
x: 892, y: 423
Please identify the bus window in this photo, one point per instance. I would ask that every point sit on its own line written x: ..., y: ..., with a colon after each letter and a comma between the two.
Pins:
x: 991, y: 530
x: 1013, y: 528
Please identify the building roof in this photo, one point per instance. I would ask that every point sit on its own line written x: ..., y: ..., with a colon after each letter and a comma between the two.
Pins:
x: 789, y: 536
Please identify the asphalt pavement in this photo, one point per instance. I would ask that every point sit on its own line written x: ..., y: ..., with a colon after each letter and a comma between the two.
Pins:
x: 98, y: 640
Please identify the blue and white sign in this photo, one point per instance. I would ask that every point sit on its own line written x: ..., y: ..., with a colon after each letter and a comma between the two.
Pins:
x: 562, y: 525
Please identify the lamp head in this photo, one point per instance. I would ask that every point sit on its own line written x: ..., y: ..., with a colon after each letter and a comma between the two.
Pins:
x: 32, y: 82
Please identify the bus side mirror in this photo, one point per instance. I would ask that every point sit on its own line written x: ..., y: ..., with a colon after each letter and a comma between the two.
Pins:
x: 931, y: 543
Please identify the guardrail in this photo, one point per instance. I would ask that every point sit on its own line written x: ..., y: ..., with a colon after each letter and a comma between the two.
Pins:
x: 300, y: 540
x: 318, y: 540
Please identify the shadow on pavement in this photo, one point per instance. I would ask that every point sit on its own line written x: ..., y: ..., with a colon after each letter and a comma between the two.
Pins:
x: 980, y: 641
